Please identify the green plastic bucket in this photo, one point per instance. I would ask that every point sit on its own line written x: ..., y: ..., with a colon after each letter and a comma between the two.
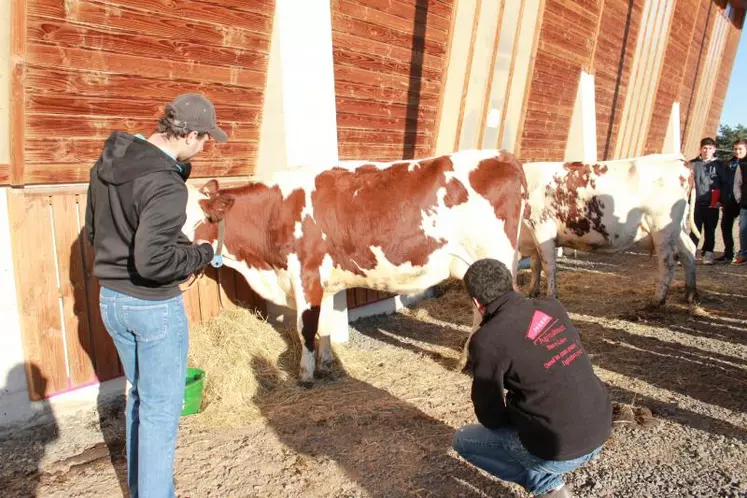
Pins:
x: 193, y: 391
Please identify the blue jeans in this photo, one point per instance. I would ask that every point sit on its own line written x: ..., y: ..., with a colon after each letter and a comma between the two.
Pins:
x: 501, y: 453
x: 743, y: 232
x: 152, y: 339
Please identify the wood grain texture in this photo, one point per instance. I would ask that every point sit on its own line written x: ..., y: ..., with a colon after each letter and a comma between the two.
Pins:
x: 38, y: 297
x: 17, y: 123
x: 67, y: 235
x: 564, y: 47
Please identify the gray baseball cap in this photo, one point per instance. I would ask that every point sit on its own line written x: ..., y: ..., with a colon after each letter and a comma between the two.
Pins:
x: 196, y: 113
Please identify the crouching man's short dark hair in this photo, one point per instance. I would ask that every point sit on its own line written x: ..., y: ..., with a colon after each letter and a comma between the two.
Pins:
x: 487, y: 280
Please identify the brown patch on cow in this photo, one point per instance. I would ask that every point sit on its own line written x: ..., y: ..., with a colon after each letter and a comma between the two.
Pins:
x: 259, y: 223
x: 579, y: 217
x: 527, y: 212
x: 311, y: 253
x: 599, y: 170
x: 455, y: 193
x: 369, y: 207
x: 498, y: 179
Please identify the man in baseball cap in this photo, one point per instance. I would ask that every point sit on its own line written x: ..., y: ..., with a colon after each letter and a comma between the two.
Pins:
x: 135, y: 213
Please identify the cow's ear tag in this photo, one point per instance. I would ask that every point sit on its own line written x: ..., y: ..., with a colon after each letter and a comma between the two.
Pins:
x: 217, y: 261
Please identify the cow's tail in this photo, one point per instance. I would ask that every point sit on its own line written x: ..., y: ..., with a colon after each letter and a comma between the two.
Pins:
x: 691, y: 208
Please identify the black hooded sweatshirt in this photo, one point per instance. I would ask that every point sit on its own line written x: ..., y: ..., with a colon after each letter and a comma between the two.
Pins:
x: 560, y: 409
x: 135, y: 212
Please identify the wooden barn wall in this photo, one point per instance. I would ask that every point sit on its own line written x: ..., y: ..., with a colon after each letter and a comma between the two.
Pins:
x: 613, y: 61
x: 389, y: 61
x: 94, y: 66
x: 695, y: 58
x: 565, y: 47
x: 58, y: 295
x: 673, y: 72
x: 724, y: 74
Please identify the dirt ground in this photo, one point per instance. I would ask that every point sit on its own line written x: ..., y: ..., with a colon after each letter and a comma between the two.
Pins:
x: 383, y: 426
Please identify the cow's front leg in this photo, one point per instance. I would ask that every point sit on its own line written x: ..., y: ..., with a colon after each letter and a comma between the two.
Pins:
x: 308, y: 324
x: 326, y: 322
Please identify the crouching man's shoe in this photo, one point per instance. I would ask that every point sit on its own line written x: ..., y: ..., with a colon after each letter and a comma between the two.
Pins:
x: 561, y: 492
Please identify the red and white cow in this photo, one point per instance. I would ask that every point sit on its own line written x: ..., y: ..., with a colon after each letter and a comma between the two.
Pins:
x: 302, y: 235
x: 607, y: 207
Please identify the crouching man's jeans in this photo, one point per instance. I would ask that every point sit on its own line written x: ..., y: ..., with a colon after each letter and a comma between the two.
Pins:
x: 152, y: 339
x: 501, y: 453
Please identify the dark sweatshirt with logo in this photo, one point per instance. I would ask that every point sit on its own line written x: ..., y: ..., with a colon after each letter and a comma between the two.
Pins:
x: 560, y: 409
x: 135, y: 212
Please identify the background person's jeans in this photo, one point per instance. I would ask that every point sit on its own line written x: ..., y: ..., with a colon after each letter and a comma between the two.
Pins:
x: 743, y: 233
x: 152, y: 339
x: 501, y: 453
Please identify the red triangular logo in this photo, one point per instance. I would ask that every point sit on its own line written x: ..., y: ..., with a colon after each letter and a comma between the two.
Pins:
x: 539, y: 322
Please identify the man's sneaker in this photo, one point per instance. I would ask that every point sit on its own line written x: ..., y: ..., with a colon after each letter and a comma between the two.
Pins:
x: 739, y: 260
x: 724, y: 259
x: 708, y: 258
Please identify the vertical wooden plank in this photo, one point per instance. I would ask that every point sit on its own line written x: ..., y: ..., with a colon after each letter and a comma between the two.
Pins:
x: 351, y: 298
x: 371, y: 296
x: 80, y: 356
x: 209, y: 300
x: 17, y: 91
x: 361, y: 296
x: 106, y: 361
x: 38, y: 299
x: 192, y: 305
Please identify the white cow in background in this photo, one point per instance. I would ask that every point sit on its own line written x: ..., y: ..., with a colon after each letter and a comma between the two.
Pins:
x: 607, y: 207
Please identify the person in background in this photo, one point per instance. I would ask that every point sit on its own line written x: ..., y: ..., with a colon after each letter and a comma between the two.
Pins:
x: 708, y: 174
x: 556, y: 414
x: 730, y: 207
x: 135, y: 213
x: 740, y: 197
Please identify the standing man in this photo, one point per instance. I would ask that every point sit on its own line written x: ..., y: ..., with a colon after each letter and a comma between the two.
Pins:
x: 707, y: 172
x: 740, y: 197
x: 136, y: 209
x: 557, y: 413
x: 730, y: 207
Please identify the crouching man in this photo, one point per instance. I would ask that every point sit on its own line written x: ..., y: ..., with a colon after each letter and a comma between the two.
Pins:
x: 556, y: 414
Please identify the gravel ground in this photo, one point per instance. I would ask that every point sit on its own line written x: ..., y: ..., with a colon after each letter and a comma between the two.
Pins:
x: 677, y: 377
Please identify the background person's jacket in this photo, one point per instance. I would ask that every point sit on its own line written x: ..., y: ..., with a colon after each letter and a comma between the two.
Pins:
x: 560, y: 409
x: 708, y: 177
x: 135, y: 211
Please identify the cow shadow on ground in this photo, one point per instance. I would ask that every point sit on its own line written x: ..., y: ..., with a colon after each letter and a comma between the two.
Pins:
x: 386, y: 445
x: 672, y: 413
x: 713, y: 378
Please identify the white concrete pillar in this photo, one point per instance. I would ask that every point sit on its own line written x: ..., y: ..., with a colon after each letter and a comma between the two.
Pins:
x: 299, y: 119
x: 582, y: 137
x: 673, y: 138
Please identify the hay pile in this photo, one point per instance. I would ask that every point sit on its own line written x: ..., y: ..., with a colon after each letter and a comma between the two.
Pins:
x: 239, y: 352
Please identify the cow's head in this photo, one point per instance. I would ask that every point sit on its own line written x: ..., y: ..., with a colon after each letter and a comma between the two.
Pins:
x: 205, y: 205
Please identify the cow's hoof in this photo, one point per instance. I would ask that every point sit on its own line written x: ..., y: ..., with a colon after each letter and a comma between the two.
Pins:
x: 325, y: 370
x: 306, y: 384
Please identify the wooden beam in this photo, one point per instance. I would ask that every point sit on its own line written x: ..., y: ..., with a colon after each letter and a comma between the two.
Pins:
x: 4, y: 174
x: 17, y: 100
